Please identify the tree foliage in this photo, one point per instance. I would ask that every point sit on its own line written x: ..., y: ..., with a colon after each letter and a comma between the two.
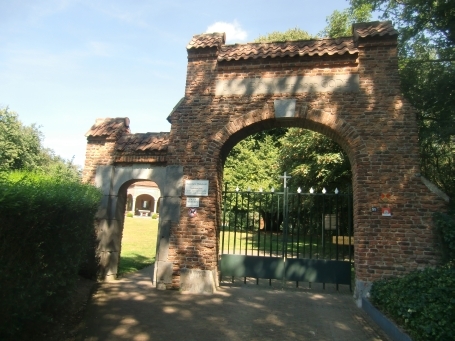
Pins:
x: 422, y: 23
x: 339, y: 23
x: 427, y: 67
x: 314, y: 160
x: 20, y: 146
x: 21, y: 149
x: 289, y: 35
x: 253, y: 163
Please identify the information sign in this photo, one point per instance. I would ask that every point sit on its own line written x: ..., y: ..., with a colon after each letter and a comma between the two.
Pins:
x: 197, y: 188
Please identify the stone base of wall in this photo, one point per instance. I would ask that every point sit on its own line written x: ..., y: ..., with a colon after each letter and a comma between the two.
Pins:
x: 193, y: 281
x: 361, y: 290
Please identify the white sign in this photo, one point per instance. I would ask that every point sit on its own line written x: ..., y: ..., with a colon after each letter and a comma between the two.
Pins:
x: 192, y: 202
x: 197, y: 188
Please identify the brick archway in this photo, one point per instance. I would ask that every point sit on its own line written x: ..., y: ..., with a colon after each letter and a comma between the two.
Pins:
x: 347, y: 89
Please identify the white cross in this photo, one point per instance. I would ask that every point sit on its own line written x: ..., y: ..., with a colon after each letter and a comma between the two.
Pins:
x: 285, y: 177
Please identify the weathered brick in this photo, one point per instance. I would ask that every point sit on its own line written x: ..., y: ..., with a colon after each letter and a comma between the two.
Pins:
x: 376, y: 127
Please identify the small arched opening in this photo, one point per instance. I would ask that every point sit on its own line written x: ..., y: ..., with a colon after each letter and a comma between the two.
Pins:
x: 138, y: 239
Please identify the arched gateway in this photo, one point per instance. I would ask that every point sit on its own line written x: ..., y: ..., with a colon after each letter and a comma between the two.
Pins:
x: 346, y: 88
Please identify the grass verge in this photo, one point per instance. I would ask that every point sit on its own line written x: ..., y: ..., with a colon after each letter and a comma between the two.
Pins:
x: 138, y: 244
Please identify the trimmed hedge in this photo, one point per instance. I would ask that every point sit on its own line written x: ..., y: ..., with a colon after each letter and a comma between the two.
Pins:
x: 422, y: 302
x: 46, y: 226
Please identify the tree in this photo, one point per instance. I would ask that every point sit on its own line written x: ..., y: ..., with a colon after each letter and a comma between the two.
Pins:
x: 314, y: 160
x: 253, y: 163
x: 430, y: 23
x: 20, y: 145
x: 427, y: 68
x: 289, y: 35
x: 339, y: 23
x: 21, y: 149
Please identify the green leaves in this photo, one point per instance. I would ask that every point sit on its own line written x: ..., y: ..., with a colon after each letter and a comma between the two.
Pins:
x: 427, y: 67
x: 254, y: 163
x: 314, y: 160
x: 19, y: 145
x: 289, y: 35
x: 21, y: 149
x: 46, y: 226
x: 423, y: 302
x: 339, y: 23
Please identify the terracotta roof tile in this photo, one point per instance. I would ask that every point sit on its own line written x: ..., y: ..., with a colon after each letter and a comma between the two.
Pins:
x: 287, y: 49
x: 374, y: 28
x: 109, y: 126
x: 143, y: 142
x: 207, y: 40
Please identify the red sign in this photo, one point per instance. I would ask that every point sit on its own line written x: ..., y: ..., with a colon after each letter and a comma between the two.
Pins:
x: 386, y: 212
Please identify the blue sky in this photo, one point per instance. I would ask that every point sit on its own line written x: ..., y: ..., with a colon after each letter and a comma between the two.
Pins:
x: 64, y: 63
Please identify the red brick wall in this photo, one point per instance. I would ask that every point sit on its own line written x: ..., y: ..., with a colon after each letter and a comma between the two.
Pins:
x: 376, y: 127
x: 99, y: 152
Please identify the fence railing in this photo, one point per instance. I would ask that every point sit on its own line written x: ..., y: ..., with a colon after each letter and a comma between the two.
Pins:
x: 287, y: 224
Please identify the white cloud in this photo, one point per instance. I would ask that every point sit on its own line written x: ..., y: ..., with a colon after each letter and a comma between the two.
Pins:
x: 234, y: 31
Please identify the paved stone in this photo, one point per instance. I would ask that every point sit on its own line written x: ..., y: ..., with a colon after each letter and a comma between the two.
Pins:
x: 133, y: 309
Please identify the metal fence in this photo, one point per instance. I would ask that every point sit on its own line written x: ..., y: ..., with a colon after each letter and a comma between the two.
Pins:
x: 273, y: 226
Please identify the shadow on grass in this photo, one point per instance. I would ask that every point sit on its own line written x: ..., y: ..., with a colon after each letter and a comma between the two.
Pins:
x: 133, y: 262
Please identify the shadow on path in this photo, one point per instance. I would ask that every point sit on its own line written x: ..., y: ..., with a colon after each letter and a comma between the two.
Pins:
x: 133, y: 309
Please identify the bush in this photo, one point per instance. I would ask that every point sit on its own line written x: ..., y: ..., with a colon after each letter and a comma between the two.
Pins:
x: 154, y: 216
x: 130, y: 215
x: 423, y: 302
x: 445, y: 228
x: 46, y: 225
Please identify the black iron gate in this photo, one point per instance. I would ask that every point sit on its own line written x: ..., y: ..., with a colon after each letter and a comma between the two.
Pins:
x: 288, y: 235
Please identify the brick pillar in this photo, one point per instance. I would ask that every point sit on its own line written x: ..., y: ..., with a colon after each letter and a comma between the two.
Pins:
x: 193, y: 241
x: 386, y: 173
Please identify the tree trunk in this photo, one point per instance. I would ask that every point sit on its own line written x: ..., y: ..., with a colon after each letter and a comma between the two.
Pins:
x: 272, y: 221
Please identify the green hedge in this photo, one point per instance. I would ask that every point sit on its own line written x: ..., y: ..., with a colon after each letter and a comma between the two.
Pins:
x: 445, y: 228
x: 423, y: 302
x: 46, y: 225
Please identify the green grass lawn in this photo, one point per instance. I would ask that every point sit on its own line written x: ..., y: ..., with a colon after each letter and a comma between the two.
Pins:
x: 138, y: 244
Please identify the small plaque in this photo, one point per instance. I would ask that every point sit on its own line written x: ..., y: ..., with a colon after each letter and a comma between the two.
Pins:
x: 197, y: 188
x: 386, y: 212
x: 192, y: 202
x: 284, y: 107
